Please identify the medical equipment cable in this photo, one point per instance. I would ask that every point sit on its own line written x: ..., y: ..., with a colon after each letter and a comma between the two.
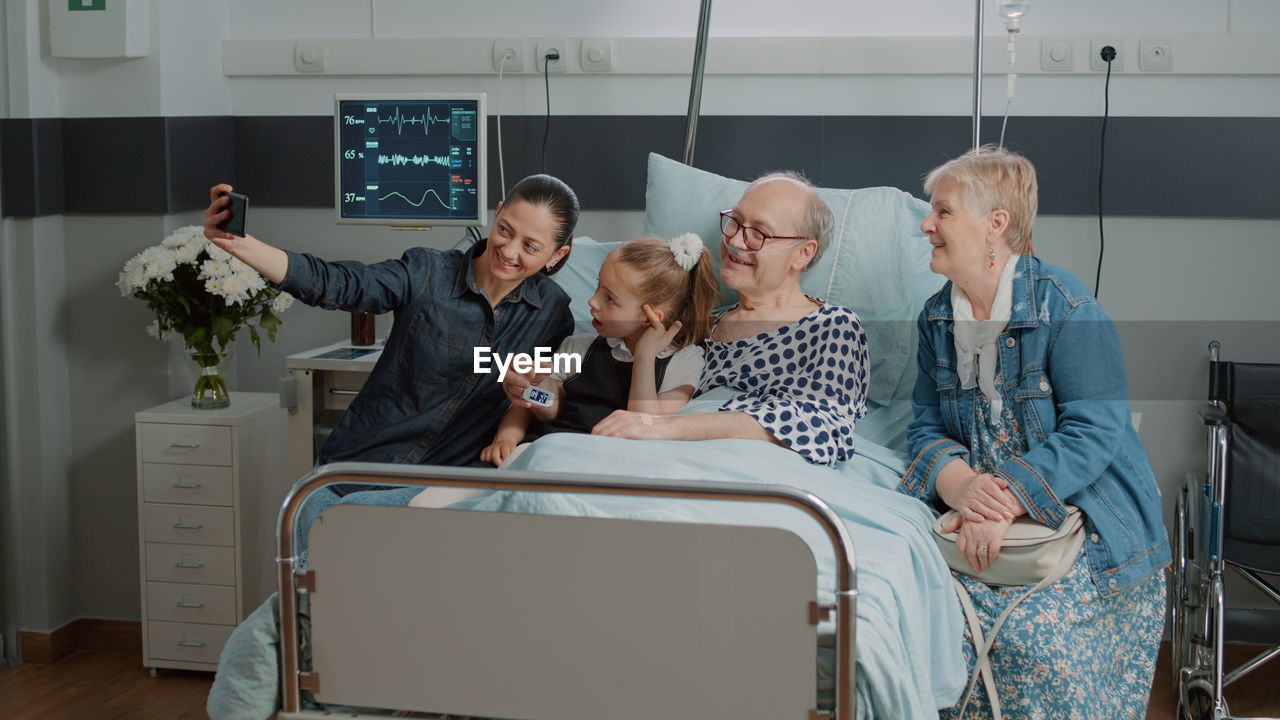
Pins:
x: 502, y: 172
x: 472, y: 234
x: 546, y: 128
x: 1108, y: 54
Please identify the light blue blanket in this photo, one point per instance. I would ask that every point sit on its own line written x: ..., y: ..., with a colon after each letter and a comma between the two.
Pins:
x: 908, y: 635
x: 909, y: 624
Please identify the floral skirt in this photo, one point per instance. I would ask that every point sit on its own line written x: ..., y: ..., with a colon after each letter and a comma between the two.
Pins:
x: 1067, y: 653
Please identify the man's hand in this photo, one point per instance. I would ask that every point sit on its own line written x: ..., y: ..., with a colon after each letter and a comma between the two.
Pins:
x: 634, y: 425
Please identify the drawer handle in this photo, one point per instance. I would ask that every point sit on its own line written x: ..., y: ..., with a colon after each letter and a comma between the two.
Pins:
x: 180, y: 484
x: 185, y: 445
x: 340, y: 391
x: 191, y: 605
x: 187, y: 643
x: 189, y: 565
x: 180, y: 525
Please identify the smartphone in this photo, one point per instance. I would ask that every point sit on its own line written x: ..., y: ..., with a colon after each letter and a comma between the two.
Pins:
x: 539, y: 396
x: 239, y: 209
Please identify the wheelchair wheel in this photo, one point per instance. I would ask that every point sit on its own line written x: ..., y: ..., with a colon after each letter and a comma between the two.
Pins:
x: 1196, y: 701
x: 1189, y: 627
x: 1178, y: 650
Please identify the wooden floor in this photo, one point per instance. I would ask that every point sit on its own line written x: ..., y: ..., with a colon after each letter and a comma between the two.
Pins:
x: 111, y: 686
x: 103, y: 686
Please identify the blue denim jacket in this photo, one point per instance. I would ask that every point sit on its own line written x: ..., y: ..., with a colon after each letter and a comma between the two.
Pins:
x: 1064, y: 373
x: 422, y: 402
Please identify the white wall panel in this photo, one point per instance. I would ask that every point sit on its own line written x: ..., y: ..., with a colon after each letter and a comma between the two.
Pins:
x: 300, y: 18
x: 189, y: 44
x: 678, y: 18
x: 1255, y: 16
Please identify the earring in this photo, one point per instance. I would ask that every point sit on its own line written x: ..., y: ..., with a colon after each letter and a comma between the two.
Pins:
x: 991, y: 258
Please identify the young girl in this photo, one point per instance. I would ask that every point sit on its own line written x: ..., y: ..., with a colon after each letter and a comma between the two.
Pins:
x: 634, y: 361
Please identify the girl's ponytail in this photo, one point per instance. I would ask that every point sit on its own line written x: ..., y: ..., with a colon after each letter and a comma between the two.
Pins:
x: 702, y: 297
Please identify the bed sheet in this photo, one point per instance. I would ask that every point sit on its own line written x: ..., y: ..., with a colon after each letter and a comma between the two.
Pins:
x: 909, y: 624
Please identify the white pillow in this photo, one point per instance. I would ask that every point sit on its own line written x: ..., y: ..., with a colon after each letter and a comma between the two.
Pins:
x: 871, y: 265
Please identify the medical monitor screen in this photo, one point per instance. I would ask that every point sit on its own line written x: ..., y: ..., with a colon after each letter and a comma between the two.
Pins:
x: 413, y: 160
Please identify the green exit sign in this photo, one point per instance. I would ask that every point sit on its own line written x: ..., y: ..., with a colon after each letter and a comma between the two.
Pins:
x: 74, y: 5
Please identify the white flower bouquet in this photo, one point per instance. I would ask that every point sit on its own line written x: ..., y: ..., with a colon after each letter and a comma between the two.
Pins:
x: 199, y: 291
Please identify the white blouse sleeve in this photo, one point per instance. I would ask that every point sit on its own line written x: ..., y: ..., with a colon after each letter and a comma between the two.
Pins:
x: 685, y: 368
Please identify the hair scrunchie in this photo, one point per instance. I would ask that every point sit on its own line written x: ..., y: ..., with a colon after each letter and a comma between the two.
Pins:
x: 687, y: 248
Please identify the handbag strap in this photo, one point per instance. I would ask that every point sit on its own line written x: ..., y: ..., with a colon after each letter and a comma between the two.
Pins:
x: 982, y: 665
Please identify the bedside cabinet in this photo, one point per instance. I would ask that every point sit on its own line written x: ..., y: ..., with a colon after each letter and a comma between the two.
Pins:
x: 210, y: 484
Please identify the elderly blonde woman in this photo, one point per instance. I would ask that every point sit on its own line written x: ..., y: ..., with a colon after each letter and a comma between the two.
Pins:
x: 1020, y: 408
x: 800, y: 363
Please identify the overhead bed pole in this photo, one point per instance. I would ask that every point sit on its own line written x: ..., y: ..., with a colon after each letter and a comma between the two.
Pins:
x: 695, y: 82
x: 372, y: 474
x: 977, y: 72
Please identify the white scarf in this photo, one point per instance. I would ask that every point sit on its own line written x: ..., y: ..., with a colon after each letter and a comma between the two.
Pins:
x: 976, y: 346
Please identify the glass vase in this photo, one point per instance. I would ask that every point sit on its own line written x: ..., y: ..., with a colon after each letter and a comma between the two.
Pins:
x: 210, y: 392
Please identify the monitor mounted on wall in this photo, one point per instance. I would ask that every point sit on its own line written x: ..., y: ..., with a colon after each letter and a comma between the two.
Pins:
x: 411, y: 159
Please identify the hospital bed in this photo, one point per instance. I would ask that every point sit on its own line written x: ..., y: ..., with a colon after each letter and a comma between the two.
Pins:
x: 603, y: 577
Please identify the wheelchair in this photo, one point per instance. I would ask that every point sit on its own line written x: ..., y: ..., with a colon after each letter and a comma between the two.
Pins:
x: 1228, y: 519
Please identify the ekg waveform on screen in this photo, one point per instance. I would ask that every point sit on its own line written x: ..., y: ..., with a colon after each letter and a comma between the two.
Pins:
x: 404, y: 159
x: 424, y: 121
x: 429, y: 192
x: 419, y: 160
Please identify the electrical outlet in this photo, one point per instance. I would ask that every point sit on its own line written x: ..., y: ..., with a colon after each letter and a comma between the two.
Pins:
x: 518, y: 50
x: 1095, y: 54
x: 1057, y: 55
x: 1155, y: 55
x: 556, y: 66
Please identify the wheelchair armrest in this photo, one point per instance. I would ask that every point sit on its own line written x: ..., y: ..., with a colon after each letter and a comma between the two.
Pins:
x: 1214, y: 414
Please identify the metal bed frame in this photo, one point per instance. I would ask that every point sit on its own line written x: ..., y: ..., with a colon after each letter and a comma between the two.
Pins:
x: 294, y: 581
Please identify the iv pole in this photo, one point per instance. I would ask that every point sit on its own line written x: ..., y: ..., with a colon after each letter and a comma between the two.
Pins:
x: 977, y: 72
x: 695, y: 84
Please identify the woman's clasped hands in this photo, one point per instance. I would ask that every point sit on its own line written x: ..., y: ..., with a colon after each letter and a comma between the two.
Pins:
x: 986, y: 510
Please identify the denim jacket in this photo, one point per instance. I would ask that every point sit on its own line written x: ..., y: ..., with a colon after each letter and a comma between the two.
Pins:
x: 422, y: 402
x: 1063, y: 372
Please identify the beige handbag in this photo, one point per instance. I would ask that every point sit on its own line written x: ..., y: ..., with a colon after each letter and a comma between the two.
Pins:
x: 1030, y: 553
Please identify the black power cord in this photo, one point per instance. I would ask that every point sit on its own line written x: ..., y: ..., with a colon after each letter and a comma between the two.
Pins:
x: 546, y: 76
x: 1108, y: 54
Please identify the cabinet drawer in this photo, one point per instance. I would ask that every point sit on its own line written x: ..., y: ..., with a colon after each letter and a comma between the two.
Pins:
x: 186, y: 484
x: 212, y: 604
x: 190, y: 444
x: 191, y: 564
x: 188, y: 524
x: 340, y: 388
x: 189, y: 642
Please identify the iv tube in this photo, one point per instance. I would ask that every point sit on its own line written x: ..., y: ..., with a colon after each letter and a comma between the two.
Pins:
x: 1012, y: 12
